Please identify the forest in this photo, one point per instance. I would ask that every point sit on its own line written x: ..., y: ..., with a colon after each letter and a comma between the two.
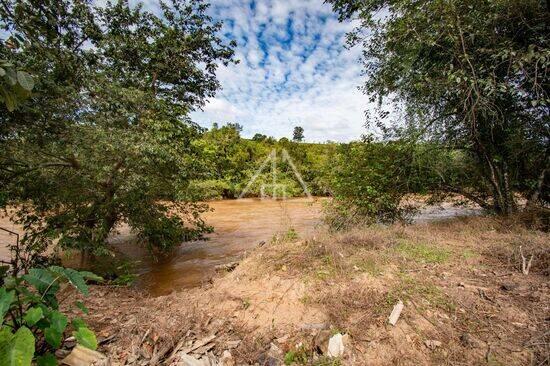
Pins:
x: 97, y: 137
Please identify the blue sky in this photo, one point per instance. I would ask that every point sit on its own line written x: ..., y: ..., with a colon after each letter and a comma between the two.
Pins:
x: 294, y: 70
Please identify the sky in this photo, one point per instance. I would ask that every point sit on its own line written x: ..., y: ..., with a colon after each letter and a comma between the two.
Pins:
x: 294, y: 71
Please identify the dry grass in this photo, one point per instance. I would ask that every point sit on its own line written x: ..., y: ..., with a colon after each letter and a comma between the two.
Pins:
x: 460, y: 281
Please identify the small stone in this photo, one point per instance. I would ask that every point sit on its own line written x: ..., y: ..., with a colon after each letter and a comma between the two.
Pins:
x: 432, y: 344
x: 227, y: 359
x: 82, y: 356
x: 336, y: 346
x: 508, y: 286
x: 467, y: 340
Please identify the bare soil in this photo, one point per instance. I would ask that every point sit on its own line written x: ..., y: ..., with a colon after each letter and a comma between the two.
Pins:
x: 466, y: 299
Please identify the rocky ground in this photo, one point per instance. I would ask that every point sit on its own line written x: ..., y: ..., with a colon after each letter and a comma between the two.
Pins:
x: 468, y: 298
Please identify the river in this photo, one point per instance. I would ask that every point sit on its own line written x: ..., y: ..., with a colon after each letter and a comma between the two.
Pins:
x: 240, y: 225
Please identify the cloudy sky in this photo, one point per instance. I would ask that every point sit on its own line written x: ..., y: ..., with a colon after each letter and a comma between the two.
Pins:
x: 294, y: 70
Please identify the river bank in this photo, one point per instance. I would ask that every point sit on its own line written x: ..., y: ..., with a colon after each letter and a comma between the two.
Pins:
x: 466, y: 301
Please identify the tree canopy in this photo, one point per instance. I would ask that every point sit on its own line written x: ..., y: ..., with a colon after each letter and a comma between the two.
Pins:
x: 472, y: 76
x: 298, y: 134
x: 105, y: 136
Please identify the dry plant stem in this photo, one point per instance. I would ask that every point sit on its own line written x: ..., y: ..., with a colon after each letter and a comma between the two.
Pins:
x: 525, y: 266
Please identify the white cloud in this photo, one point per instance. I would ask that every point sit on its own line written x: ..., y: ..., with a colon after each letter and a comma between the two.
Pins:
x: 294, y: 70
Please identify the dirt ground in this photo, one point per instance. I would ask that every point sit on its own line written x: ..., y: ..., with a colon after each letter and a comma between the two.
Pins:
x: 466, y: 302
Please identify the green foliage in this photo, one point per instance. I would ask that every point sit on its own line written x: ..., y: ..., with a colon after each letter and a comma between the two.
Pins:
x: 232, y: 162
x: 31, y: 320
x: 468, y: 75
x: 15, y: 85
x: 298, y: 134
x: 424, y: 253
x: 16, y: 349
x: 105, y: 137
x: 369, y: 181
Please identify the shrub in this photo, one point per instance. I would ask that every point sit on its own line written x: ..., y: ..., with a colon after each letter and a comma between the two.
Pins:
x: 368, y: 182
x: 32, y: 325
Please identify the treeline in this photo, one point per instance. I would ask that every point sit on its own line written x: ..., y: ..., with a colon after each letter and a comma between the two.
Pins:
x: 366, y: 170
x: 233, y: 166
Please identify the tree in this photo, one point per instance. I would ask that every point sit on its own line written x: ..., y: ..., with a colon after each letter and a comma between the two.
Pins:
x: 469, y: 75
x: 298, y: 134
x: 259, y: 137
x: 106, y: 138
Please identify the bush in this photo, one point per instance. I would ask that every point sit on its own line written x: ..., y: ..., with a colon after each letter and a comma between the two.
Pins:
x: 32, y: 326
x: 368, y: 182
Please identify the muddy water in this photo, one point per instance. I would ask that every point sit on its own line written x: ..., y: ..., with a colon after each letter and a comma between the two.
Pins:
x: 239, y: 225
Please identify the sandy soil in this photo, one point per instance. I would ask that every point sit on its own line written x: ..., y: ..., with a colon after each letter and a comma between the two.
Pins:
x: 466, y: 299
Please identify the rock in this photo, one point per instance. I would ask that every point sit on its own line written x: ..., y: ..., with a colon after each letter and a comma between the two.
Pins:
x: 261, y: 244
x: 432, y: 344
x: 82, y: 356
x: 396, y: 312
x: 188, y: 360
x: 227, y: 267
x: 508, y: 286
x: 336, y: 345
x: 275, y: 351
x: 233, y: 344
x: 468, y: 340
x: 227, y: 359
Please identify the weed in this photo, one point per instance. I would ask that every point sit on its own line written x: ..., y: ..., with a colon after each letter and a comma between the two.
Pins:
x: 410, y: 288
x: 299, y: 356
x: 424, y: 253
x: 368, y: 265
x: 327, y: 361
x: 291, y: 234
x: 469, y: 254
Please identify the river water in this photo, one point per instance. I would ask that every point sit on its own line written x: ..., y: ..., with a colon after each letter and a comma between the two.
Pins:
x: 239, y: 226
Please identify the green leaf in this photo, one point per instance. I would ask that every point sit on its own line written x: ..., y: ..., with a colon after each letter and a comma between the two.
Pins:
x: 58, y: 321
x: 53, y: 337
x: 47, y: 360
x: 86, y: 338
x: 82, y: 307
x: 78, y: 323
x: 6, y: 298
x: 91, y: 276
x: 5, y: 338
x: 18, y: 350
x: 42, y: 280
x: 75, y: 278
x: 2, y: 72
x: 11, y: 76
x: 25, y: 80
x: 33, y: 315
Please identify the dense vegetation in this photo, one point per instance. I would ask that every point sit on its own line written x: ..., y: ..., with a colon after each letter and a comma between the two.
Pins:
x: 95, y: 131
x: 105, y: 136
x: 470, y: 76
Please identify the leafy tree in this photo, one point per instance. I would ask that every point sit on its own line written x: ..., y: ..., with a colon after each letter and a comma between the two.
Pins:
x: 298, y: 134
x: 259, y: 137
x: 106, y: 138
x: 15, y: 85
x: 368, y: 181
x: 472, y: 76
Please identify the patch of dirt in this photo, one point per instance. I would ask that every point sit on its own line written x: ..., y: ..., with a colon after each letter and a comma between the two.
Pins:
x: 466, y: 301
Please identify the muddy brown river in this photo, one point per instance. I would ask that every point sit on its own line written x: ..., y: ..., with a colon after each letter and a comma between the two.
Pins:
x: 239, y: 226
